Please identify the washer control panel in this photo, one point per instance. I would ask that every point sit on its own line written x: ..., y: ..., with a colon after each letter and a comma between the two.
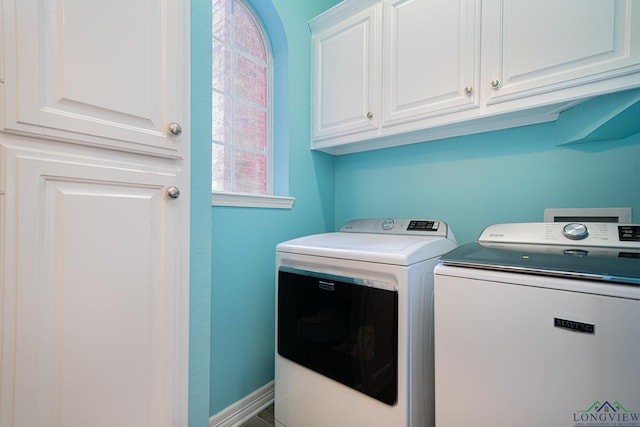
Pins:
x: 575, y: 231
x: 602, y: 234
x: 629, y: 233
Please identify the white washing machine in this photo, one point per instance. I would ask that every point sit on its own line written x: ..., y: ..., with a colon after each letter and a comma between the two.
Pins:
x: 354, y: 328
x: 538, y: 324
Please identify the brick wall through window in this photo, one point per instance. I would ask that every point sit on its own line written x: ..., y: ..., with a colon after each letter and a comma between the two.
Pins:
x: 241, y: 134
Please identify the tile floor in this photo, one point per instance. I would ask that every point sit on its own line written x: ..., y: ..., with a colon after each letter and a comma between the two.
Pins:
x: 263, y: 419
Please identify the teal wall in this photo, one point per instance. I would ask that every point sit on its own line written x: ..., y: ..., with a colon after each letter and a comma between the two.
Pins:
x: 200, y: 250
x: 244, y: 239
x: 503, y: 176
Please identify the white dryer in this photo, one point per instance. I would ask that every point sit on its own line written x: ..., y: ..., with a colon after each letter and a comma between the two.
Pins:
x: 354, y: 324
x: 538, y: 324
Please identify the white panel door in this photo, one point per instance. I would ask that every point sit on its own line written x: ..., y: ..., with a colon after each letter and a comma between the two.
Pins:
x: 536, y: 47
x: 97, y: 73
x: 93, y: 310
x: 346, y: 75
x: 431, y: 58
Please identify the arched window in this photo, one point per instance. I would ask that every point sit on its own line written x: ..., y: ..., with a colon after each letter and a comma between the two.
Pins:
x: 242, y: 141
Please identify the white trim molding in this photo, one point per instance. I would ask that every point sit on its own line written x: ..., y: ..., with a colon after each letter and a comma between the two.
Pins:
x: 244, y: 409
x: 219, y: 198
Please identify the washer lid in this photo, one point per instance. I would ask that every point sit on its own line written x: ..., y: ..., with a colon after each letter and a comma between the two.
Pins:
x: 621, y: 265
x: 370, y: 247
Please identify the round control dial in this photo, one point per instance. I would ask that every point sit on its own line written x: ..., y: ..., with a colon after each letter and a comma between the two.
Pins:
x: 388, y: 224
x: 575, y: 231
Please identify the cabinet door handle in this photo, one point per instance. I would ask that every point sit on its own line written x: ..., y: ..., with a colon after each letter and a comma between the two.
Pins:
x: 173, y: 192
x: 369, y: 115
x: 468, y: 90
x: 175, y: 129
x: 495, y: 83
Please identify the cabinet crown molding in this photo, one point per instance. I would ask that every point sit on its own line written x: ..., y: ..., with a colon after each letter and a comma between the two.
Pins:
x: 339, y: 11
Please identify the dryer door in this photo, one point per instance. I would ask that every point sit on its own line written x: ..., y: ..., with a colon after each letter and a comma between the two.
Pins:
x: 341, y: 327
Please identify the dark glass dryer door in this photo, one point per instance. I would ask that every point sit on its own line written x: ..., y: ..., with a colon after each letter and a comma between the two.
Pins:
x: 343, y: 328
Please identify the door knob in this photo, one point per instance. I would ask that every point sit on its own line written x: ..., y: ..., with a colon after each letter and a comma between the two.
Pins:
x: 175, y: 129
x: 173, y: 192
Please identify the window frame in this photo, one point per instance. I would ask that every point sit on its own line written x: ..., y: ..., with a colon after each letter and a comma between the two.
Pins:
x: 268, y: 200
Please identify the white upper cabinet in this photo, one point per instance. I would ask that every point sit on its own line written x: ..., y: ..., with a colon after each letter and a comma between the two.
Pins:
x: 346, y: 58
x: 431, y: 58
x: 541, y: 47
x: 455, y: 67
x: 104, y: 74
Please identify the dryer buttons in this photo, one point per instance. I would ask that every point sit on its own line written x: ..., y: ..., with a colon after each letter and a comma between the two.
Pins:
x: 575, y: 231
x: 418, y: 225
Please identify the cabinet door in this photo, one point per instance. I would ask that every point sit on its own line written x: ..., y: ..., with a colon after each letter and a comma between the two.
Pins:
x: 346, y: 75
x: 431, y: 58
x: 97, y: 73
x: 94, y: 313
x: 536, y: 47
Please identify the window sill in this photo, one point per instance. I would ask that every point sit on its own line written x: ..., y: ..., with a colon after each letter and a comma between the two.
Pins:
x: 251, y: 200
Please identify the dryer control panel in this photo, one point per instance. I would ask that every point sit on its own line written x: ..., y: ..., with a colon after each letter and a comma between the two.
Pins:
x: 406, y: 226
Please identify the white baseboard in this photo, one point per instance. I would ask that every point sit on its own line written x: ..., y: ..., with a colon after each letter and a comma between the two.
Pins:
x: 244, y: 409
